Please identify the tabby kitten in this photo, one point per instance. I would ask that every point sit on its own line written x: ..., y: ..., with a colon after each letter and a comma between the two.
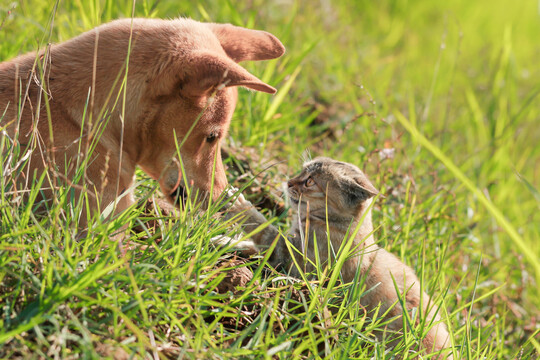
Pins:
x: 333, y: 199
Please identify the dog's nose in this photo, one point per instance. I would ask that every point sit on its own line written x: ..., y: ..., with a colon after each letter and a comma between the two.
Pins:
x: 179, y: 195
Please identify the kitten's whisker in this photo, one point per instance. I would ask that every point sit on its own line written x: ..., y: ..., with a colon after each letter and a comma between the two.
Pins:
x: 268, y: 167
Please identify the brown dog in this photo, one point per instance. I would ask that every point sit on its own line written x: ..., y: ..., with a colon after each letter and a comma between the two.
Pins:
x: 126, y: 94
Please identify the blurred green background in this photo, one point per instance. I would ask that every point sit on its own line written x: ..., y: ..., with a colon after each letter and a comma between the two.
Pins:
x: 362, y: 76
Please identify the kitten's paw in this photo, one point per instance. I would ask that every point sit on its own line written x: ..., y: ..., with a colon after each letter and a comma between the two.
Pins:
x: 240, y: 203
x: 245, y: 247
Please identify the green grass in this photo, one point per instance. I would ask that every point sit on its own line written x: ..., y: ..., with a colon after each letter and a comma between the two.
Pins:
x: 451, y: 87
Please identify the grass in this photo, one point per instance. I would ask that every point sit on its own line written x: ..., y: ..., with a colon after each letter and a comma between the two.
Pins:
x: 436, y: 101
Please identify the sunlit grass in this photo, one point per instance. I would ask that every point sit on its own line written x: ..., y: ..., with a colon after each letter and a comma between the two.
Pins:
x: 448, y: 89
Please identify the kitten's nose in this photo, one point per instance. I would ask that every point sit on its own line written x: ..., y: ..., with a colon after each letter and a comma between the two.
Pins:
x: 290, y: 183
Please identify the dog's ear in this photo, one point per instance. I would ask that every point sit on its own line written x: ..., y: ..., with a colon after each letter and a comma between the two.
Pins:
x: 207, y: 71
x: 244, y: 44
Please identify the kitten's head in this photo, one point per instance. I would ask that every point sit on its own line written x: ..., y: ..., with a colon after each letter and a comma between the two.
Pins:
x: 325, y: 183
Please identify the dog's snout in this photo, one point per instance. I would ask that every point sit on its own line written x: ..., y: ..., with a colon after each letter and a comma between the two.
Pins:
x: 179, y: 195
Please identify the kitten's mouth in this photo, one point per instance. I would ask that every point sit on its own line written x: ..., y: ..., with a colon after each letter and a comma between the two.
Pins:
x: 296, y: 201
x: 294, y: 197
x: 302, y: 207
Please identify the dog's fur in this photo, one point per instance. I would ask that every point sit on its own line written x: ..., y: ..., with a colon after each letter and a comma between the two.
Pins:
x: 179, y: 73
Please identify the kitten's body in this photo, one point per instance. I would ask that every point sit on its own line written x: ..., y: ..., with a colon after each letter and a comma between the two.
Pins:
x: 334, y: 198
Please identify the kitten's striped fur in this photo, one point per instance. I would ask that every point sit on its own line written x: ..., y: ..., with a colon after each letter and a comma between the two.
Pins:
x: 336, y: 196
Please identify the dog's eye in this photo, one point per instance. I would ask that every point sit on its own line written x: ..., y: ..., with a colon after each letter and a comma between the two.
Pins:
x: 211, y: 138
x: 309, y: 182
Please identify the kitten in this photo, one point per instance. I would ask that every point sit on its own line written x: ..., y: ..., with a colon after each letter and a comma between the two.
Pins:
x: 333, y: 199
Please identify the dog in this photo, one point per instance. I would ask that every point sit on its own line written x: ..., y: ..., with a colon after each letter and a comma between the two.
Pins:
x: 132, y: 92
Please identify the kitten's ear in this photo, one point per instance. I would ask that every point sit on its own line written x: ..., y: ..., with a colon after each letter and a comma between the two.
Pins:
x: 366, y: 186
x: 360, y: 189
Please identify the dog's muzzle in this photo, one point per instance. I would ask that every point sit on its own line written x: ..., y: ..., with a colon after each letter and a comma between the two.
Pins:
x: 179, y: 195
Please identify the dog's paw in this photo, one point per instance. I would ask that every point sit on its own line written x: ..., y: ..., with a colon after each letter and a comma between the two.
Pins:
x: 244, y: 247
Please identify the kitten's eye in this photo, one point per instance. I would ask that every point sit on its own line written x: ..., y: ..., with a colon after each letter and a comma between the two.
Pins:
x: 309, y: 182
x: 211, y: 138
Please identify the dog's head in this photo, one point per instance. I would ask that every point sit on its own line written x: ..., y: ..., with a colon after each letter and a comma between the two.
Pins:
x: 190, y: 101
